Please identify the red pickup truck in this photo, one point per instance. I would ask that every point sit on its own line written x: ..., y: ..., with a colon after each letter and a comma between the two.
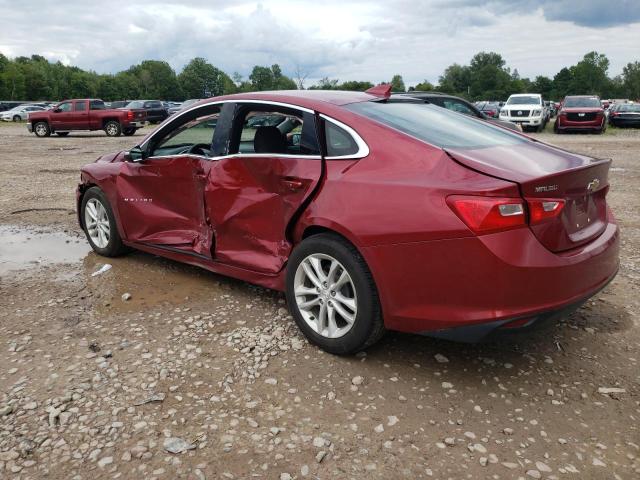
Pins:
x: 86, y: 114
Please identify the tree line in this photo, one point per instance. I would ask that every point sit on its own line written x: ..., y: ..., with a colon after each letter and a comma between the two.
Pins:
x: 486, y: 77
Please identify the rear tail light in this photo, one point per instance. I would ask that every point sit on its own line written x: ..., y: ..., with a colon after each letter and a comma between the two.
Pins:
x: 488, y: 214
x: 543, y: 209
x: 129, y: 115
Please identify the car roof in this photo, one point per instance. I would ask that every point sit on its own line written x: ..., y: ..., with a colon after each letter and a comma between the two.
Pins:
x: 303, y: 98
x: 526, y: 95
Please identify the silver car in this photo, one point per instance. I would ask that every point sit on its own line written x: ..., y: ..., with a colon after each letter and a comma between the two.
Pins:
x: 19, y: 113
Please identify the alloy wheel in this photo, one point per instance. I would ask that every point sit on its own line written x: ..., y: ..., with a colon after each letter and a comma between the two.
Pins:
x: 96, y: 222
x: 325, y: 295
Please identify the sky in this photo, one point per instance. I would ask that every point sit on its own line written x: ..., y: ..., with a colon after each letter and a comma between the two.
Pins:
x: 344, y: 39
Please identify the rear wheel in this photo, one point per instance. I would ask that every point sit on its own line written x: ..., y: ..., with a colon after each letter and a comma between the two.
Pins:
x: 112, y: 128
x: 127, y: 132
x: 100, y: 225
x: 41, y: 129
x: 17, y: 118
x: 332, y: 296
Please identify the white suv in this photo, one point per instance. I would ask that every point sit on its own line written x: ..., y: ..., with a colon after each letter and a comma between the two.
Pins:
x: 525, y: 109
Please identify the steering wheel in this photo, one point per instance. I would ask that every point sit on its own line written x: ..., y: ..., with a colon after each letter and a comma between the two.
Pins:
x: 200, y: 149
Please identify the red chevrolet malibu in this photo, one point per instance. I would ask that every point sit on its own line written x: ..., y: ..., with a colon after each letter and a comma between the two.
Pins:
x: 370, y: 212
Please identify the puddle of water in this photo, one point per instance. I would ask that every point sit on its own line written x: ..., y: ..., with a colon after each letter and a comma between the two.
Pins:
x: 26, y: 248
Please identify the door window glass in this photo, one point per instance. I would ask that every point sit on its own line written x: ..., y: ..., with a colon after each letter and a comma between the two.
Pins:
x: 65, y: 107
x: 285, y: 132
x: 458, y: 107
x: 194, y: 136
x: 80, y: 106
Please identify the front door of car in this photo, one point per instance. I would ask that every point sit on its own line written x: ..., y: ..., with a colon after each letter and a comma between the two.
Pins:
x: 80, y: 118
x: 161, y: 196
x: 62, y: 116
x: 272, y: 166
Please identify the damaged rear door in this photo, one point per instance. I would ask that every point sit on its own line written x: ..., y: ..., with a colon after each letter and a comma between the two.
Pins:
x: 161, y: 196
x: 254, y: 192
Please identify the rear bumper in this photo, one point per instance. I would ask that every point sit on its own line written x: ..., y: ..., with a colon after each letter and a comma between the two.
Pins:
x: 487, y: 281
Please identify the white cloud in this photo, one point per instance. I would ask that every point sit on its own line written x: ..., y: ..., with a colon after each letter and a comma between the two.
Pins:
x: 348, y: 39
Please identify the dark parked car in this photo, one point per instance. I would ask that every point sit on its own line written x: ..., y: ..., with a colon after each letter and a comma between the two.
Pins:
x: 457, y: 104
x: 371, y: 211
x: 581, y: 113
x: 156, y: 112
x: 625, y: 115
x: 490, y: 109
x: 118, y: 104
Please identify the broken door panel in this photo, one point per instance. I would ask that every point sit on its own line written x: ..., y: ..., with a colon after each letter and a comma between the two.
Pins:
x: 161, y: 202
x: 250, y: 201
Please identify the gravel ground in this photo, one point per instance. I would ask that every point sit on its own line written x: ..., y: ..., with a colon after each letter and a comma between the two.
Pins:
x: 154, y: 369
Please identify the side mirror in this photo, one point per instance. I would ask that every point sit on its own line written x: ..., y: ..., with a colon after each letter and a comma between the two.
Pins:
x: 57, y: 110
x: 136, y: 154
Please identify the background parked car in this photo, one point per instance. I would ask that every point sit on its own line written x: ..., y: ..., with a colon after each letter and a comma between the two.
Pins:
x: 581, y: 112
x: 117, y: 104
x: 180, y: 106
x: 156, y: 112
x: 526, y: 109
x: 625, y: 115
x: 490, y: 109
x: 20, y: 113
x: 456, y: 104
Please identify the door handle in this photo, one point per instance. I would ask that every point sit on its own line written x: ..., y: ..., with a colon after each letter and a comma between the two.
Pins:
x: 293, y: 183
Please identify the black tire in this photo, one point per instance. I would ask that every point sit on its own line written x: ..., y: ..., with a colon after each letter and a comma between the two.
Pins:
x: 41, y: 129
x: 114, y: 247
x: 62, y: 134
x: 127, y: 132
x: 368, y: 326
x: 112, y: 128
x: 17, y: 118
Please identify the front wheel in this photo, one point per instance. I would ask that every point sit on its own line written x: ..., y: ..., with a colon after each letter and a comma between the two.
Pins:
x: 100, y: 225
x: 332, y: 296
x: 17, y: 118
x: 112, y: 128
x: 41, y: 129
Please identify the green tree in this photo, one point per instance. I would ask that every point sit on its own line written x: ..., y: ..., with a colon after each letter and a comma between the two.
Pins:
x: 200, y: 79
x: 455, y: 79
x: 265, y: 78
x: 589, y: 76
x: 542, y: 85
x: 397, y: 84
x: 424, y: 86
x: 562, y: 83
x: 157, y: 80
x: 489, y: 79
x: 355, y: 85
x: 326, y: 83
x: 631, y: 80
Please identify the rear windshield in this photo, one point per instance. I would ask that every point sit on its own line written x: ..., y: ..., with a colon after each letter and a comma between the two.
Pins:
x: 526, y: 100
x: 437, y: 126
x: 572, y: 102
x: 135, y: 104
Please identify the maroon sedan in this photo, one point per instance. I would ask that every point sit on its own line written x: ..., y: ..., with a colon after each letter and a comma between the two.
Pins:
x: 581, y: 113
x: 370, y: 212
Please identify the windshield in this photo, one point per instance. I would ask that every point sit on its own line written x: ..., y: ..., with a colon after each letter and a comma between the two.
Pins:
x: 135, y: 104
x: 526, y: 100
x: 590, y: 102
x: 629, y: 108
x: 435, y: 125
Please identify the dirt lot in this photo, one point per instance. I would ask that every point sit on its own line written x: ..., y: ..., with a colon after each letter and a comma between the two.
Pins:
x: 92, y: 386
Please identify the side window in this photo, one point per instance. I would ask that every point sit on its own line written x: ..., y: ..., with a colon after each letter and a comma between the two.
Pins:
x: 458, y: 107
x: 339, y: 141
x: 80, y: 106
x: 65, y: 107
x: 286, y: 132
x: 193, y: 135
x: 97, y: 105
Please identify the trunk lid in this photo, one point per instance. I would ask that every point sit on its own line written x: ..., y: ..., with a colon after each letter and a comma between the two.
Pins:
x: 546, y: 173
